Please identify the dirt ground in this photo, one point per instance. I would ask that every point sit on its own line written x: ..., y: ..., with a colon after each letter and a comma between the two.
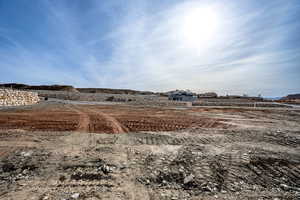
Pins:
x: 60, y: 151
x: 103, y: 118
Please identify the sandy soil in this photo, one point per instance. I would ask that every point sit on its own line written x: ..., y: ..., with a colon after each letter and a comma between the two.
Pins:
x: 60, y: 151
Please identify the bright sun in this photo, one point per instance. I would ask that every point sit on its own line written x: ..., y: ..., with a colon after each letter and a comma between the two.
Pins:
x: 199, y: 25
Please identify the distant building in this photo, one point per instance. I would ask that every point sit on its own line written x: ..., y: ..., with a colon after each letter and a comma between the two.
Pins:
x: 208, y: 95
x: 182, y: 95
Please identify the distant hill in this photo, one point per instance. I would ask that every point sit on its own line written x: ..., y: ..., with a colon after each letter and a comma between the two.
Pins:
x: 113, y: 91
x: 272, y: 98
x: 291, y: 97
x: 68, y: 88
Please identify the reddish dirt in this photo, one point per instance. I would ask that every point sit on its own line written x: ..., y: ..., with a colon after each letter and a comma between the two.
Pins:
x: 84, y: 119
x: 50, y: 118
x: 239, y: 154
x: 102, y: 119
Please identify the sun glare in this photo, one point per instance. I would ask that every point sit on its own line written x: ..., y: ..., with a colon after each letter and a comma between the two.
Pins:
x: 199, y: 25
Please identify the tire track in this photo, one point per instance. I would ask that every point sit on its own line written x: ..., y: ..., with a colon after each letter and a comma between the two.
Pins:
x: 113, y: 123
x: 84, y: 119
x: 95, y: 121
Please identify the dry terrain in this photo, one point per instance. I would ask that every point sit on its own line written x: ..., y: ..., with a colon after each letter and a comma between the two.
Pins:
x: 124, y: 152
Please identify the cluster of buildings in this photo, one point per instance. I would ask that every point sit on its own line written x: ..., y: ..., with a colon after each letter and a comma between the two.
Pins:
x: 186, y: 95
x: 182, y: 95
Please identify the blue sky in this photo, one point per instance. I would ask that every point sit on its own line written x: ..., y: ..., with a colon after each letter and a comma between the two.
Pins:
x: 226, y: 46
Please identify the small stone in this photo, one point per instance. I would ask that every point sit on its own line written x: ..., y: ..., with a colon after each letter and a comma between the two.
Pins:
x: 284, y: 186
x: 75, y: 195
x: 106, y: 169
x: 188, y: 179
x: 8, y: 167
x: 62, y: 178
x: 26, y: 154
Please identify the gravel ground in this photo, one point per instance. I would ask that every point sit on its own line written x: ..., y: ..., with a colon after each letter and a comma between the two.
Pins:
x: 253, y: 155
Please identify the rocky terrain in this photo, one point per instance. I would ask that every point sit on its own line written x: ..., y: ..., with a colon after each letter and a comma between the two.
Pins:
x: 61, y: 150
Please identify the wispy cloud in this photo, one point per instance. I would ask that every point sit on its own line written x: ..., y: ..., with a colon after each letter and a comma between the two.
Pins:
x: 144, y: 46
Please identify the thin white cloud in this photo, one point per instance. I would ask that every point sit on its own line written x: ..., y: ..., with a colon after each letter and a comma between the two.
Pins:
x: 147, y: 50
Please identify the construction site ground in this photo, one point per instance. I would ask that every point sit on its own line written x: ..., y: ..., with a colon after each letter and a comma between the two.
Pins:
x: 124, y: 152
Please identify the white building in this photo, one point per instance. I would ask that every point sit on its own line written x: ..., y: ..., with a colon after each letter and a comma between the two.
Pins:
x: 182, y: 95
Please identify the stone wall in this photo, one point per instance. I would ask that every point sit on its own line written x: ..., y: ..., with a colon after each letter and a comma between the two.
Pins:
x: 10, y: 97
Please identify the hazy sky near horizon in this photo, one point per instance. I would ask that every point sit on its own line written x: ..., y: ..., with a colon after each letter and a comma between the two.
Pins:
x: 226, y: 46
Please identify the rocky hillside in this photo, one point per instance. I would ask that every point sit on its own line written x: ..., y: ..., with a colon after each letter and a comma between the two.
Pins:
x: 70, y: 88
x: 39, y: 87
x: 113, y: 91
x: 291, y: 97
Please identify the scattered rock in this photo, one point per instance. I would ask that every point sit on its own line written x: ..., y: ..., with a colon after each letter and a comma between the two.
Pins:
x: 75, y: 195
x: 62, y: 178
x: 106, y: 169
x: 8, y: 167
x: 26, y: 154
x: 188, y: 179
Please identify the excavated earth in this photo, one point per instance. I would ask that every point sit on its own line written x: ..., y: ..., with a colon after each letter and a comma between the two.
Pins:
x: 62, y: 151
x: 103, y: 119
